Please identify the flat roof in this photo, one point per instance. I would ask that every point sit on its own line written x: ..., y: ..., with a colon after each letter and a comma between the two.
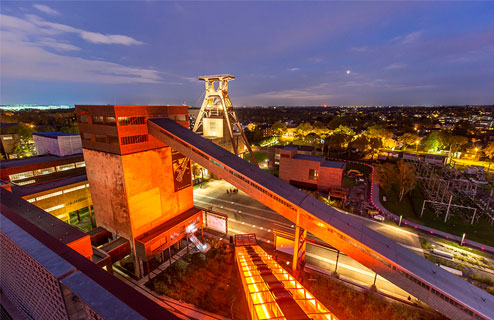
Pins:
x: 29, y: 189
x: 13, y: 163
x: 153, y: 233
x: 60, y: 230
x: 333, y: 164
x: 308, y: 157
x: 54, y: 135
x: 455, y: 287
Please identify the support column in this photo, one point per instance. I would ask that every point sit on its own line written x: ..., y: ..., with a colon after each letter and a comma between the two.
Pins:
x: 91, y: 216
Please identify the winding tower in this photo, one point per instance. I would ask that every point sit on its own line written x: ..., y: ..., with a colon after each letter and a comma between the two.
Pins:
x: 218, y: 118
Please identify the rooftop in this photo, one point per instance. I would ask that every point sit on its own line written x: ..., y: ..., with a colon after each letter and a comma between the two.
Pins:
x: 55, y: 227
x: 29, y: 189
x: 54, y: 135
x: 13, y: 163
x: 333, y: 164
x: 308, y: 157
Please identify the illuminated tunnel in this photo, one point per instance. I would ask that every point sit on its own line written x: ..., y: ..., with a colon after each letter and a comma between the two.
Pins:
x: 443, y: 291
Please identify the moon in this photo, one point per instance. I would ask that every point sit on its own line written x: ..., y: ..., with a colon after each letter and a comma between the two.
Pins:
x: 348, y: 72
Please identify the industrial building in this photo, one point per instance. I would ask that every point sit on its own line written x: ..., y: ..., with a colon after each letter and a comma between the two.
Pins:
x: 309, y: 171
x: 274, y: 153
x: 57, y: 143
x: 133, y: 180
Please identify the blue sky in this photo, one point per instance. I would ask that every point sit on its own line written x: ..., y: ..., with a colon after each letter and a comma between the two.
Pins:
x: 282, y: 53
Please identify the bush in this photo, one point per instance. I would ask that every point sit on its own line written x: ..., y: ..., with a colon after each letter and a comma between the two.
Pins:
x: 198, y: 259
x: 187, y: 258
x: 161, y: 288
x: 179, y: 266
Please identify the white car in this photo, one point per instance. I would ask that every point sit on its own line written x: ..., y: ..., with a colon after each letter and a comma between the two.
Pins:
x: 378, y: 217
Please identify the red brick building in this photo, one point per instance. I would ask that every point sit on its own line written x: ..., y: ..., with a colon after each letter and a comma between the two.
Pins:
x: 309, y: 171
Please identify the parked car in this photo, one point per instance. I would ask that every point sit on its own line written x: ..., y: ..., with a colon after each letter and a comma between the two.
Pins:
x: 378, y: 217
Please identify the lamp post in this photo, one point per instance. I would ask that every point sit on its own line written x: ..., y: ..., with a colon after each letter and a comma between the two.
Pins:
x: 475, y: 155
x: 417, y: 145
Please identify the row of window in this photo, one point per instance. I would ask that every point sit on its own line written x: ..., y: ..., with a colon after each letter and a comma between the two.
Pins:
x: 124, y: 121
x: 57, y: 193
x: 134, y: 139
x: 40, y: 172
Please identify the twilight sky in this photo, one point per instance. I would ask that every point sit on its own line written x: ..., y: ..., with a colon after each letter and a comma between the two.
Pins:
x: 282, y: 53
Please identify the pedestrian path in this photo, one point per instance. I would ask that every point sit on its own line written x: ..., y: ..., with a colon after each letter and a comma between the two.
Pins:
x: 162, y: 267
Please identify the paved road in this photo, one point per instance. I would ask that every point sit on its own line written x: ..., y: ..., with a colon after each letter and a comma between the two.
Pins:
x: 246, y: 215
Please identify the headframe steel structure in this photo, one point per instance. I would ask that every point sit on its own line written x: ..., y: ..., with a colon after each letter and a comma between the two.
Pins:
x: 217, y: 103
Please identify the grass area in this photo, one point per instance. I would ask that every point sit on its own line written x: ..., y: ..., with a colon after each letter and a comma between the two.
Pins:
x: 410, y: 208
x: 260, y: 156
x: 210, y: 282
x: 85, y: 223
x: 350, y: 304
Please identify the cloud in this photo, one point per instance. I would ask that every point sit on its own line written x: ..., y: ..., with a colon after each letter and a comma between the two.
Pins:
x: 293, y: 69
x: 303, y: 96
x: 93, y: 37
x: 25, y: 50
x: 46, y: 9
x: 394, y: 66
x: 409, y: 38
x: 360, y: 49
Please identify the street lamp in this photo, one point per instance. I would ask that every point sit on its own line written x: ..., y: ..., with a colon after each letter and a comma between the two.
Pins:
x: 417, y: 145
x: 475, y: 155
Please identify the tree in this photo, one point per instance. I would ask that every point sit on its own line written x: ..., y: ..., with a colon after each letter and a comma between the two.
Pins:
x: 386, y: 176
x: 389, y: 143
x: 303, y: 129
x: 278, y: 129
x: 407, y: 178
x: 335, y: 141
x: 361, y: 143
x: 346, y: 130
x: 408, y: 139
x: 320, y: 129
x: 489, y: 153
x: 379, y: 132
x: 375, y: 144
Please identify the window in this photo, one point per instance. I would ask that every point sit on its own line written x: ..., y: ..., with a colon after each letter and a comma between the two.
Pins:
x: 25, y: 182
x: 98, y: 119
x: 86, y: 136
x: 41, y: 172
x: 129, y: 121
x: 134, y: 139
x: 113, y: 140
x: 64, y: 167
x: 83, y: 118
x: 100, y: 138
x: 110, y: 121
x: 55, y: 208
x: 21, y: 175
x: 313, y: 174
x: 7, y: 138
x: 80, y: 164
x: 49, y: 195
